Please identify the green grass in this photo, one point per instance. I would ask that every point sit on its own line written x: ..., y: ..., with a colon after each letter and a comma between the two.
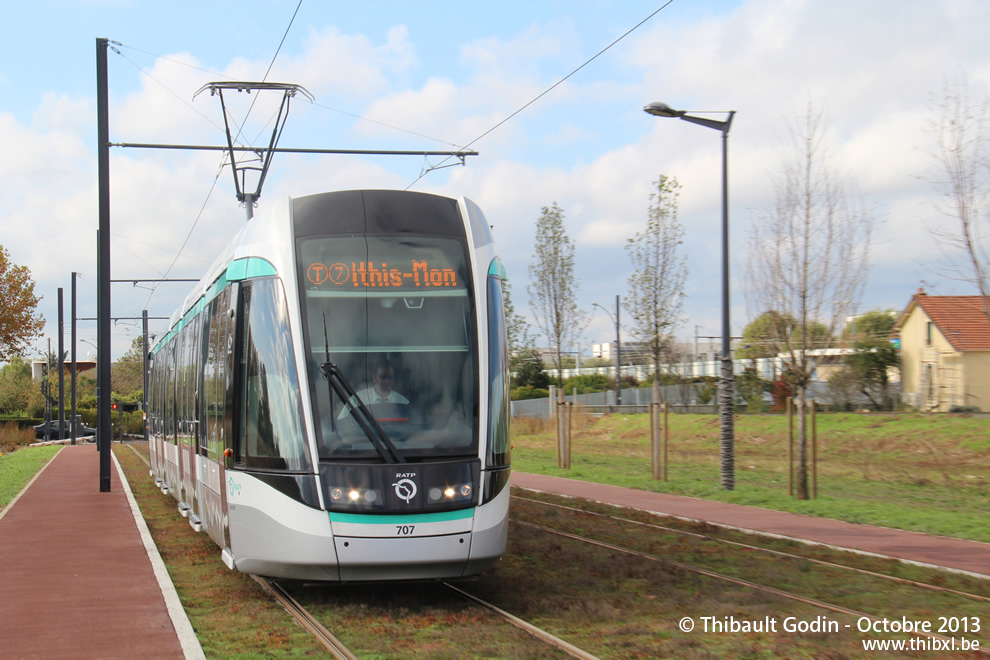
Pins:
x: 928, y: 474
x: 232, y: 616
x: 17, y: 468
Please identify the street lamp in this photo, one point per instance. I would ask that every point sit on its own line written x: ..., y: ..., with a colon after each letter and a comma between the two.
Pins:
x: 618, y: 351
x: 726, y: 408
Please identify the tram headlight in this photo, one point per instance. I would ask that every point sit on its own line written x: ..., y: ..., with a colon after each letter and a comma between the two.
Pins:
x: 456, y: 493
x: 354, y: 496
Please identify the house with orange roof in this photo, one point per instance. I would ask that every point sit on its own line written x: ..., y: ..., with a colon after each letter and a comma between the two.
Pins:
x: 945, y: 352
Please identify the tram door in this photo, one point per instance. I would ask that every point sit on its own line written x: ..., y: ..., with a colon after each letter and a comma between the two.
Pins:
x: 217, y: 358
x: 187, y: 384
x: 170, y: 443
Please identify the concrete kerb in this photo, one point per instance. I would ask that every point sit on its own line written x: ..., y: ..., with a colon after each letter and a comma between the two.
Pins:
x: 191, y: 647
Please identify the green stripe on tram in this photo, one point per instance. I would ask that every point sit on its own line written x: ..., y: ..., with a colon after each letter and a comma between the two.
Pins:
x: 405, y: 519
x: 242, y: 269
x: 497, y: 268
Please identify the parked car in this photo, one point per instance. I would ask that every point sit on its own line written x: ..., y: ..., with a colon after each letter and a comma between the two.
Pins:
x: 52, y: 430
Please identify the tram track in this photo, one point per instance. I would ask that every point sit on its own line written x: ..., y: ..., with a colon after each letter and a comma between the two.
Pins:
x: 777, y: 553
x: 305, y: 619
x: 312, y: 623
x: 338, y: 649
x: 420, y: 615
x: 774, y: 591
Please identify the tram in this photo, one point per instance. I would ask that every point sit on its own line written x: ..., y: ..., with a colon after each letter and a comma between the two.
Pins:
x: 331, y: 400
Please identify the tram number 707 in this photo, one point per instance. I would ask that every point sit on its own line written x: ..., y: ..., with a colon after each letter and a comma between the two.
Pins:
x: 404, y: 530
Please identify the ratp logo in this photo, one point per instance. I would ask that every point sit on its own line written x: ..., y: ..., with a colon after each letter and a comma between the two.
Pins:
x: 233, y: 488
x: 405, y: 489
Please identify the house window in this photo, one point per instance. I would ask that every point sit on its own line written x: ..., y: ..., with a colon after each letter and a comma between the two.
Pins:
x: 928, y: 334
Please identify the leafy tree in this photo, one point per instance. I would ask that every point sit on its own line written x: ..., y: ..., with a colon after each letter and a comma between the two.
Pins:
x: 656, y: 287
x: 553, y: 291
x: 761, y: 338
x: 530, y: 372
x: 771, y: 333
x: 870, y: 363
x: 127, y: 373
x: 808, y: 259
x: 874, y: 324
x: 19, y: 324
x: 18, y: 392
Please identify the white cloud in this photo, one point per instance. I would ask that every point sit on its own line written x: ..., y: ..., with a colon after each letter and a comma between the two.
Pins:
x: 871, y: 67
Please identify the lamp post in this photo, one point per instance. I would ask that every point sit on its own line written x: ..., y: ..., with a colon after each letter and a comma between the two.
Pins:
x: 726, y: 407
x: 618, y: 351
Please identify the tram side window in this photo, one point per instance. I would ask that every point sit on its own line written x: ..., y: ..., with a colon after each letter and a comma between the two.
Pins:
x: 170, y: 376
x: 272, y: 432
x: 216, y: 380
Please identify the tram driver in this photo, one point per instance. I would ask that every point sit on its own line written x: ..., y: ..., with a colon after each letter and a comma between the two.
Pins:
x: 381, y: 389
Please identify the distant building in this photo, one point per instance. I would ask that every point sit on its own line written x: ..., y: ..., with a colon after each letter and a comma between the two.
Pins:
x: 39, y: 368
x: 631, y: 352
x: 945, y: 352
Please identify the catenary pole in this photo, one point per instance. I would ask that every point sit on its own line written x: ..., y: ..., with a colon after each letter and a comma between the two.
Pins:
x: 103, y: 428
x: 61, y: 365
x: 72, y: 340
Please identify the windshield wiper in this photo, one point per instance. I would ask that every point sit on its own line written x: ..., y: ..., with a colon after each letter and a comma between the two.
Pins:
x: 339, y: 385
x: 376, y: 434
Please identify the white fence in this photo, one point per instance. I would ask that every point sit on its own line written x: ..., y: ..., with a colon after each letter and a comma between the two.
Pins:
x: 767, y: 369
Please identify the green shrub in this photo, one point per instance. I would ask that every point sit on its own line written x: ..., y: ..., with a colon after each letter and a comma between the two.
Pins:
x: 529, y: 392
x: 587, y: 384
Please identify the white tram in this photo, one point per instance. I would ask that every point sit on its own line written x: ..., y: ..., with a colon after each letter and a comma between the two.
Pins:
x: 331, y: 401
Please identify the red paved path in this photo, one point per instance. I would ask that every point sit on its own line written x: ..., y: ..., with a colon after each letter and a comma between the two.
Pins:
x: 75, y: 579
x: 958, y: 554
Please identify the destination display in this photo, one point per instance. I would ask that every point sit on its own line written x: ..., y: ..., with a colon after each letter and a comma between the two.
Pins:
x: 411, y: 274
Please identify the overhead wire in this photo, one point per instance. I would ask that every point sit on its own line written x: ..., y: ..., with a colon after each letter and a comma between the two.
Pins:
x: 423, y: 174
x: 217, y: 74
x: 546, y: 91
x: 178, y: 254
x: 270, y: 65
x: 163, y: 85
x: 231, y: 155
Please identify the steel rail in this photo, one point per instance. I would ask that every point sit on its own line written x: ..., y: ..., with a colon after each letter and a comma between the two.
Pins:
x: 305, y: 619
x: 820, y: 562
x: 539, y: 633
x: 726, y: 578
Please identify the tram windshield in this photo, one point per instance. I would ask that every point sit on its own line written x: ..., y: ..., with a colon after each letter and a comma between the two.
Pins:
x: 390, y: 335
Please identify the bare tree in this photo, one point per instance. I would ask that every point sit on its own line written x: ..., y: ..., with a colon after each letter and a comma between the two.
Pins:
x: 656, y: 288
x: 963, y: 159
x: 808, y: 259
x: 553, y: 292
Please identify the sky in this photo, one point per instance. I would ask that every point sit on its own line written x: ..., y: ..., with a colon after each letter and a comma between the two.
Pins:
x: 439, y: 75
